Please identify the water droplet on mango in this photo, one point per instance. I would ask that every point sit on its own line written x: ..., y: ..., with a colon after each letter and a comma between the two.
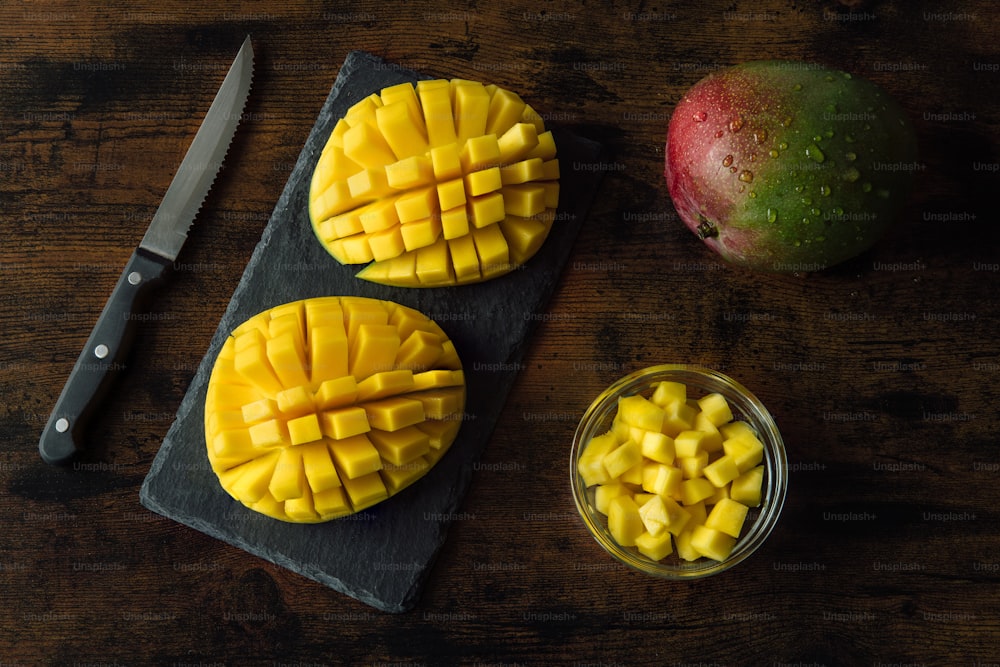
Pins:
x: 746, y: 176
x: 851, y: 156
x: 726, y: 161
x: 736, y: 124
x: 824, y: 190
x: 760, y: 136
x: 773, y: 153
x: 772, y: 215
x: 700, y: 117
x: 852, y: 175
x: 783, y: 145
x: 814, y: 153
x: 797, y: 86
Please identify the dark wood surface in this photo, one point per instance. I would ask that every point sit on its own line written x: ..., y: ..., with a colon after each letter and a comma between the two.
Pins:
x: 881, y: 373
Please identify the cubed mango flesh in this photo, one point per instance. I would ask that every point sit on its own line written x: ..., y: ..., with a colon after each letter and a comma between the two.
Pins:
x: 319, y: 408
x: 417, y: 163
x: 675, y: 474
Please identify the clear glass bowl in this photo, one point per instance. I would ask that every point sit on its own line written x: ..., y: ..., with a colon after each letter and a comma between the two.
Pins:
x: 745, y: 406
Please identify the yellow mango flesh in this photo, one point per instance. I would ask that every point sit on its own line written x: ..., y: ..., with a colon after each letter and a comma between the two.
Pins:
x: 675, y: 475
x: 445, y: 182
x: 320, y: 408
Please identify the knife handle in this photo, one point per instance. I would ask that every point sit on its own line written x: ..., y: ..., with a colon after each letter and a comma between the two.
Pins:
x: 101, y: 359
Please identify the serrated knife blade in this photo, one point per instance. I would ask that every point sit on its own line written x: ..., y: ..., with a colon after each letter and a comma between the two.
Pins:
x: 108, y: 345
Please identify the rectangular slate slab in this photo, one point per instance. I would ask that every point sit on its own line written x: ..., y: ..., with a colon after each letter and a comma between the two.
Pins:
x: 382, y: 555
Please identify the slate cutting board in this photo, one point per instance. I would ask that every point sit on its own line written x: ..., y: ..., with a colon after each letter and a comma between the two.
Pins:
x: 382, y: 555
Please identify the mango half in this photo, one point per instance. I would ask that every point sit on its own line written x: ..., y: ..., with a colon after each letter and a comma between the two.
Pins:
x: 438, y: 183
x: 320, y: 408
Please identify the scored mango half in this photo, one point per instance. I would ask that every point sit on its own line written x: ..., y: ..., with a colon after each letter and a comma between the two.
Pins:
x: 438, y: 183
x: 320, y: 408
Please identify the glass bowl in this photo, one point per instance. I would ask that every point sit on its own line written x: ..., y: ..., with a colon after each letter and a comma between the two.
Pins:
x: 745, y: 406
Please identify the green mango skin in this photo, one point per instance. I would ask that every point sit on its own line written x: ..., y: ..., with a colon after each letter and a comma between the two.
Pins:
x: 785, y: 166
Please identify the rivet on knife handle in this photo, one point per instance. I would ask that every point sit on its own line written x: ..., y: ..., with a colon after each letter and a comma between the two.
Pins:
x: 101, y: 359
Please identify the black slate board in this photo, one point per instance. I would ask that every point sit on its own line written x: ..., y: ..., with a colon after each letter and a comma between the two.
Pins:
x: 382, y: 555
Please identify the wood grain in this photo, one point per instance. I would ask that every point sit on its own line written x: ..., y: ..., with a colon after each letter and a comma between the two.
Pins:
x: 882, y: 373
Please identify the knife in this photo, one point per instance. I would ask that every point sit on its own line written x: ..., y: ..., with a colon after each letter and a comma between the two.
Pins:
x: 107, y: 348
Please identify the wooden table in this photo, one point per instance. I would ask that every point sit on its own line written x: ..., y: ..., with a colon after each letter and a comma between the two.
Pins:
x: 882, y: 373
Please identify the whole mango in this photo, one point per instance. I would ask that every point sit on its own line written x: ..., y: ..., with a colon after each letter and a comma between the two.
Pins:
x: 788, y: 166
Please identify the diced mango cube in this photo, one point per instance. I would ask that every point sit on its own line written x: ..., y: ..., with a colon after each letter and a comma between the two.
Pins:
x: 746, y: 452
x: 272, y: 433
x: 405, y: 136
x: 727, y: 516
x: 260, y: 410
x: 678, y: 416
x: 401, y: 446
x: 688, y: 443
x: 624, y: 521
x: 254, y: 477
x: 721, y: 471
x: 746, y: 488
x: 332, y: 503
x: 590, y: 465
x: 302, y: 508
x: 398, y: 477
x: 445, y: 162
x: 412, y: 172
x: 483, y: 182
x: 655, y: 547
x: 693, y: 490
x: 712, y: 543
x: 355, y: 456
x: 303, y: 429
x: 654, y: 515
x: 661, y: 479
x: 517, y: 141
x: 472, y: 103
x: 711, y: 438
x: 692, y: 466
x: 684, y: 548
x: 384, y: 384
x: 451, y: 194
x: 318, y: 465
x: 335, y: 393
x: 658, y: 446
x: 640, y: 412
x: 505, y: 110
x: 295, y: 401
x: 621, y: 458
x: 373, y: 350
x: 524, y: 199
x: 394, y: 413
x: 342, y: 423
x: 716, y: 408
x: 435, y: 102
x: 365, y: 491
x: 605, y: 492
x: 288, y: 477
x: 233, y: 443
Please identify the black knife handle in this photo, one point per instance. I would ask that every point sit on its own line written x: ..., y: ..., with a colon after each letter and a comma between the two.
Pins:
x: 102, y: 357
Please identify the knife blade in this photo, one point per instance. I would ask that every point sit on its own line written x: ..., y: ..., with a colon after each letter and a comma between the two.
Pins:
x: 107, y: 348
